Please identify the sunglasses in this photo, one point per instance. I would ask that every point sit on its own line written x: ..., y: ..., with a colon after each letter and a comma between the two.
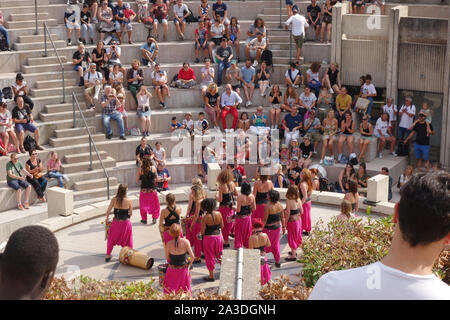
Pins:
x: 34, y: 154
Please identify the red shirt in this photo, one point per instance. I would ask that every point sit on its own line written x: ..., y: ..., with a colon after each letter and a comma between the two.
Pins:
x: 186, y: 75
x: 241, y: 170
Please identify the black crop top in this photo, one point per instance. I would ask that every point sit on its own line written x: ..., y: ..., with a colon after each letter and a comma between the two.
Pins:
x: 178, y: 259
x: 172, y: 213
x: 346, y: 128
x: 213, y: 230
x: 261, y: 248
x: 245, y: 210
x: 272, y: 218
x: 226, y: 200
x: 148, y: 180
x: 121, y: 214
x: 294, y: 212
x: 261, y: 197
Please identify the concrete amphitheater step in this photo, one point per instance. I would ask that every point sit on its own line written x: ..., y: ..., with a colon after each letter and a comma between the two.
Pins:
x: 73, y: 132
x: 64, y: 107
x: 45, y: 61
x: 84, y: 157
x: 68, y: 141
x: 51, y: 84
x: 30, y: 23
x: 94, y: 193
x: 67, y: 115
x: 89, y: 185
x: 55, y: 67
x: 84, y: 166
x: 36, y: 38
x: 21, y: 3
x: 51, y: 91
x: 28, y: 16
x: 39, y: 45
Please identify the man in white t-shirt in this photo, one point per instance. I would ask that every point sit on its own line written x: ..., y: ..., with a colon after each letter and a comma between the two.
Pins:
x: 254, y: 48
x: 406, y: 115
x: 391, y: 109
x: 159, y: 81
x: 299, y: 24
x: 207, y: 73
x: 293, y: 76
x: 93, y: 81
x: 383, y: 132
x: 422, y: 230
x: 180, y: 13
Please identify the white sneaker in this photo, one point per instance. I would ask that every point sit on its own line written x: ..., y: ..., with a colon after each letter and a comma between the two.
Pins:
x: 65, y: 177
x: 339, y: 156
x: 380, y: 155
x: 248, y: 103
x: 331, y: 91
x: 394, y: 154
x: 295, y: 86
x: 321, y: 161
x: 255, y: 64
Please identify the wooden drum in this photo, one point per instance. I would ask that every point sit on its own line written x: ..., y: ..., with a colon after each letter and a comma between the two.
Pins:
x: 135, y: 258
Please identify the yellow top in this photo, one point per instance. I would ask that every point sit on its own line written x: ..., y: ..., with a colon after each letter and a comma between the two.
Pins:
x: 343, y: 101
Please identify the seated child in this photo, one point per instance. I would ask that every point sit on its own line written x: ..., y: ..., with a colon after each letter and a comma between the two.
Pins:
x: 201, y: 125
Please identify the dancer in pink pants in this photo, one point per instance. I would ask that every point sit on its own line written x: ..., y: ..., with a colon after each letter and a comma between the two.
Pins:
x: 294, y: 223
x: 195, y: 225
x: 148, y: 198
x: 244, y: 207
x: 212, y: 224
x: 272, y: 218
x: 306, y: 188
x: 178, y: 277
x: 226, y: 194
x: 120, y: 232
x: 260, y: 191
x: 260, y: 240
x: 170, y: 215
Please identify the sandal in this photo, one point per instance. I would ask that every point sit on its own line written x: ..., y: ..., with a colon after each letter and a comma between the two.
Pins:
x: 197, y: 261
x: 290, y: 259
x: 20, y: 206
x: 107, y: 259
x: 26, y: 205
x: 207, y: 278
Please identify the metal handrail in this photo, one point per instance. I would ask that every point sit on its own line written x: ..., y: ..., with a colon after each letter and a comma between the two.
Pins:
x: 36, y: 18
x: 57, y: 55
x: 91, y: 140
x: 290, y: 38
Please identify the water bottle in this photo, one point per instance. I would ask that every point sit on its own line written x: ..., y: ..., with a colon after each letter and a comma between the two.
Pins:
x: 369, y: 209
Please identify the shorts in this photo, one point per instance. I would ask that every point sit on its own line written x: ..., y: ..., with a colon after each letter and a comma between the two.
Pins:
x: 5, y: 129
x: 17, y: 184
x: 298, y: 41
x: 252, y: 53
x: 77, y: 66
x: 176, y: 21
x: 289, y: 2
x: 25, y: 126
x: 124, y: 114
x: 127, y: 27
x: 141, y: 113
x: 310, y: 22
x: 145, y: 61
x: 357, y: 3
x: 366, y: 138
x: 90, y: 91
x: 378, y: 2
x: 347, y: 134
x: 158, y: 86
x: 421, y: 151
x: 236, y: 87
x: 315, y: 137
x: 227, y: 21
x: 159, y: 21
x: 376, y: 134
x: 276, y: 106
x: 72, y: 26
x: 217, y: 41
x: 201, y: 41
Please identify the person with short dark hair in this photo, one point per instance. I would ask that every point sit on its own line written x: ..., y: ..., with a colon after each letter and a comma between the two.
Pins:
x: 86, y: 24
x: 421, y: 232
x: 385, y: 171
x: 423, y: 130
x: 159, y: 81
x: 35, y: 168
x: 186, y: 77
x: 224, y: 53
x: 15, y: 180
x: 180, y: 13
x: 20, y: 89
x: 245, y: 206
x: 159, y: 12
x: 28, y: 264
x: 383, y: 132
x: 24, y: 121
x: 149, y: 52
x: 273, y: 215
x: 4, y: 31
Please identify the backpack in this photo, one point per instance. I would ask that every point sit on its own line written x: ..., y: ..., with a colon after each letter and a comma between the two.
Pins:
x: 29, y: 143
x: 3, y: 44
x: 266, y: 56
x: 323, y: 184
x: 402, y: 149
x: 190, y: 18
x: 7, y: 93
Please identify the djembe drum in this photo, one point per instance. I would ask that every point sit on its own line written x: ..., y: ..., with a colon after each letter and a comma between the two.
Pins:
x: 135, y: 258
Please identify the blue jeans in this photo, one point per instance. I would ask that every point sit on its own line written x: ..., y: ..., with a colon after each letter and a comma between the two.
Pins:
x: 403, y: 133
x: 5, y: 34
x: 84, y: 30
x: 113, y: 116
x: 222, y: 66
x: 57, y: 175
x: 369, y: 108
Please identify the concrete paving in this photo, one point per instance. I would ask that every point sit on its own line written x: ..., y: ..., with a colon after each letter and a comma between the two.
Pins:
x: 82, y: 250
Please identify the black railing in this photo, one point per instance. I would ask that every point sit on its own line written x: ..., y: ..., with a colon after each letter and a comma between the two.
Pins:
x: 36, y: 18
x: 281, y: 30
x: 76, y: 105
x: 57, y: 55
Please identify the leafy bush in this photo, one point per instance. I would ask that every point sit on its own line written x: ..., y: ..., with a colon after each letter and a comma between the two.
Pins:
x: 284, y: 289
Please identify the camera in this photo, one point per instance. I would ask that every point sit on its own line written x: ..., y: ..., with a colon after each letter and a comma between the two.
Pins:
x: 145, y: 109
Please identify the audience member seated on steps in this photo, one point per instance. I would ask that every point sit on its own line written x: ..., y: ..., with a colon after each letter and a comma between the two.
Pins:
x: 234, y: 36
x: 188, y: 124
x: 100, y: 59
x: 20, y: 88
x: 293, y: 76
x: 15, y: 180
x: 343, y: 104
x: 255, y: 28
x: 116, y: 77
x: 346, y: 174
x: 204, y: 13
x: 208, y: 74
x: 332, y: 79
x: 93, y: 81
x: 180, y: 13
x: 259, y: 122
x: 135, y: 78
x: 313, y: 19
x: 366, y: 130
x: 159, y: 81
x: 361, y: 178
x: 113, y: 53
x: 106, y: 20
x: 144, y: 111
x: 128, y: 16
x: 186, y: 77
x: 292, y: 123
x: 159, y: 152
x: 254, y: 48
x: 71, y: 21
x: 93, y: 6
x: 201, y: 125
x: 218, y: 32
x: 121, y: 108
x: 262, y: 78
x: 312, y: 128
x: 81, y: 59
x: 143, y: 150
x: 324, y: 103
x: 54, y: 169
x: 330, y: 129
x: 248, y: 83
x: 4, y: 31
x: 418, y: 239
x: 109, y: 105
x: 37, y: 180
x: 175, y: 125
x: 163, y: 177
x: 24, y: 121
x: 234, y: 77
x: 118, y: 12
x: 369, y: 92
x: 159, y: 11
x: 230, y: 101
x: 348, y: 128
x: 275, y: 98
x: 312, y: 77
x: 290, y: 100
x: 244, y: 122
x: 306, y: 152
x: 307, y: 101
x: 149, y: 52
x: 384, y: 133
x: 7, y: 127
x: 28, y: 264
x: 201, y: 41
x: 224, y: 54
x: 86, y: 24
x: 212, y: 104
